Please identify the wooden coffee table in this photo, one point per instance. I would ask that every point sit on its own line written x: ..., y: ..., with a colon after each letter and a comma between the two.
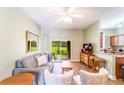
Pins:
x: 66, y: 66
x: 19, y: 79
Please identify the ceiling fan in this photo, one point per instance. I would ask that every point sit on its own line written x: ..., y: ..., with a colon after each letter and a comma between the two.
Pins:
x: 67, y: 14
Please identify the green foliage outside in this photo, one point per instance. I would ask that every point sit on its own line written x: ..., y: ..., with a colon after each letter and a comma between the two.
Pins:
x: 33, y: 46
x: 59, y: 49
x: 59, y: 53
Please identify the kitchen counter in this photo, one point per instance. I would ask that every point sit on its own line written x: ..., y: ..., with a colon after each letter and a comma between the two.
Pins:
x: 110, y: 62
x: 116, y: 54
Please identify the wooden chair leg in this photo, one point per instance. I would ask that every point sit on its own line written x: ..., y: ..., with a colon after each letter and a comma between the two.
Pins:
x: 93, y: 67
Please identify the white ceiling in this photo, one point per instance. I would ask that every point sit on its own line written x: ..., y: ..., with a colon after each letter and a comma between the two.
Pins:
x: 47, y: 17
x: 112, y: 17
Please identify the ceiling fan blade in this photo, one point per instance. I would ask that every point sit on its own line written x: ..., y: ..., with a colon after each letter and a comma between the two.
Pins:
x: 60, y: 13
x: 70, y: 10
x: 76, y: 15
x: 60, y: 19
x: 68, y: 20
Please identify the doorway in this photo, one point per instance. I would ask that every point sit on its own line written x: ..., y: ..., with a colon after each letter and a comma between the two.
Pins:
x: 61, y: 49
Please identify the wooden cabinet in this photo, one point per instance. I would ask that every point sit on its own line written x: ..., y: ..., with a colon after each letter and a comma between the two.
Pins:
x: 121, y: 40
x: 113, y: 40
x: 117, y: 40
x: 84, y: 57
x: 119, y: 62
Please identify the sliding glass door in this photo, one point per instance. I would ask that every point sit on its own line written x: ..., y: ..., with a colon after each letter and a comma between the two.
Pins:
x: 61, y: 49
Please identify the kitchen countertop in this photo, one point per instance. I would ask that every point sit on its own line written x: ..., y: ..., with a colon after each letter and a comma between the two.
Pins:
x: 113, y: 54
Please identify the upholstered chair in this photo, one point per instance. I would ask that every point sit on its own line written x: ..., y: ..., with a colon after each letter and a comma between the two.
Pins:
x: 88, y: 78
x: 58, y: 79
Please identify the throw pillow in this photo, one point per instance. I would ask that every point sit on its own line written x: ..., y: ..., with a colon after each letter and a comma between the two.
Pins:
x: 29, y: 62
x: 42, y: 60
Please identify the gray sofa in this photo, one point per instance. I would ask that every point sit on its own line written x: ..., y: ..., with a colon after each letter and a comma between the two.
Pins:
x: 29, y: 64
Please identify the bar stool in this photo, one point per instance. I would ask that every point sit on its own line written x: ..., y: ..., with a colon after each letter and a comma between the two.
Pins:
x: 91, y: 62
x: 98, y: 63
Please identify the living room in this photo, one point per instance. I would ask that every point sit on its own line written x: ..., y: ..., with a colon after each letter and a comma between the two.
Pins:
x: 16, y: 22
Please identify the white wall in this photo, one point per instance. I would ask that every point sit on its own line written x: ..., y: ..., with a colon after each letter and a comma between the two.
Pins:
x: 108, y: 32
x: 92, y: 35
x: 75, y: 36
x: 13, y: 24
x: 45, y: 40
x: 118, y: 31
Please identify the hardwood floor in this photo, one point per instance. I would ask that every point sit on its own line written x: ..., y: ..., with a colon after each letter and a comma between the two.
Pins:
x: 80, y: 66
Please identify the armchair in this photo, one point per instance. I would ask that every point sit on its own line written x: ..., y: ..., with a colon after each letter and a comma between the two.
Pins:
x: 58, y: 79
x: 88, y: 78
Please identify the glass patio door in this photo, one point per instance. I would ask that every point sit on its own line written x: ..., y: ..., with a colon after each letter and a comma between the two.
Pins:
x: 61, y: 49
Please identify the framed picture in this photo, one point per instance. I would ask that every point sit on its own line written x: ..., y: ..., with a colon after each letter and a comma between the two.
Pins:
x: 32, y: 42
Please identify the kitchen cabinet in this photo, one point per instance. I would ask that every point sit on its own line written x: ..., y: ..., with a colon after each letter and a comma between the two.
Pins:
x: 121, y: 40
x: 117, y: 40
x: 114, y: 41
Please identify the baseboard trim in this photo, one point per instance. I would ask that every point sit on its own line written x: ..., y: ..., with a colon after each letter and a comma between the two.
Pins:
x: 75, y: 60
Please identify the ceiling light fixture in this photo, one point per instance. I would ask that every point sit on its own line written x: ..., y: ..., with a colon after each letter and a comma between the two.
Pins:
x: 121, y: 24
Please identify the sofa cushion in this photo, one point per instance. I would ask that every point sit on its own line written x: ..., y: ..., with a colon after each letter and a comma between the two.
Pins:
x: 35, y: 57
x: 48, y: 66
x: 42, y: 60
x: 18, y: 64
x: 50, y: 63
x: 29, y: 62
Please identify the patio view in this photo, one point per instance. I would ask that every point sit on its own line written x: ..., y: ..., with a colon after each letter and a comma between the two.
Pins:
x: 60, y: 49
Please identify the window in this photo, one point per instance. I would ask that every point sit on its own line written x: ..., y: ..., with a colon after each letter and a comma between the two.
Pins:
x: 61, y: 49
